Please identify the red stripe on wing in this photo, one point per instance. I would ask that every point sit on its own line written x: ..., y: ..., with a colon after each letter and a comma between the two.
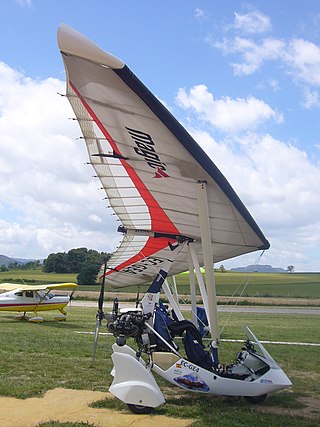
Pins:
x: 152, y: 246
x: 160, y: 222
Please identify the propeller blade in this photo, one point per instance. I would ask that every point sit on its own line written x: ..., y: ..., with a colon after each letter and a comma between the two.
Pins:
x: 101, y: 296
x: 96, y: 336
x: 71, y: 298
x: 138, y: 297
x: 100, y: 314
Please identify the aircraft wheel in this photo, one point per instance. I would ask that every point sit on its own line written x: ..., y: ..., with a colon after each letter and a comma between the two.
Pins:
x: 139, y: 409
x: 256, y: 399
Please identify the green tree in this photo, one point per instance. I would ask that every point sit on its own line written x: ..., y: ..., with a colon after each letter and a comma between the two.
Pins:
x: 290, y: 269
x: 13, y: 265
x: 56, y: 263
x: 76, y: 258
x: 222, y: 269
x: 31, y: 265
x: 88, y: 274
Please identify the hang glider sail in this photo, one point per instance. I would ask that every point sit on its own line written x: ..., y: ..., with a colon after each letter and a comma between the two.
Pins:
x: 150, y: 168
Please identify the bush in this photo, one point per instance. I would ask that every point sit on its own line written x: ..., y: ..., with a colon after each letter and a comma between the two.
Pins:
x: 88, y: 274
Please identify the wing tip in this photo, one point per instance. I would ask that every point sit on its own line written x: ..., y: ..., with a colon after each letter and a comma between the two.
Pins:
x: 72, y: 42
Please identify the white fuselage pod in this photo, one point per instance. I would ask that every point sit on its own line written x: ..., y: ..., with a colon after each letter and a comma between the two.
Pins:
x: 253, y: 375
x: 194, y: 378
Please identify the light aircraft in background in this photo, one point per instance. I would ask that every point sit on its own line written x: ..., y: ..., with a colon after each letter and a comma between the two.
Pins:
x: 34, y: 298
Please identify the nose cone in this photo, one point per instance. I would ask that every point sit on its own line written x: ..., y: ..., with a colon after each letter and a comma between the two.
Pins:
x: 286, y: 382
x: 280, y: 379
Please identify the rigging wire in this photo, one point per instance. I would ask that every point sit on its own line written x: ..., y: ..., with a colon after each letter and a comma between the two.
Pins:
x: 243, y: 289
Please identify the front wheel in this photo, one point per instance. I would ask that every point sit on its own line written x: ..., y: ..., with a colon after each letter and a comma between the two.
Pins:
x: 256, y: 399
x: 139, y: 409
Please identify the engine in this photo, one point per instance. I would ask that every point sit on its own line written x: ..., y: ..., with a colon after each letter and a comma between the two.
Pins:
x: 130, y: 324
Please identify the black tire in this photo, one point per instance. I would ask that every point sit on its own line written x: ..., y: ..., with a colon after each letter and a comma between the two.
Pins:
x: 139, y: 409
x: 256, y: 400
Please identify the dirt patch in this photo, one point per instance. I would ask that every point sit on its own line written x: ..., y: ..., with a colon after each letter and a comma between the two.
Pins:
x: 310, y: 408
x: 65, y: 405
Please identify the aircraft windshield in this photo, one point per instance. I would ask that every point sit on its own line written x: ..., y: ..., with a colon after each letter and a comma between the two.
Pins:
x: 45, y: 294
x: 260, y: 350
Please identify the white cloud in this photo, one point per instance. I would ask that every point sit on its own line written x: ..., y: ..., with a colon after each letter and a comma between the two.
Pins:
x: 311, y: 98
x: 49, y: 201
x: 95, y: 218
x: 303, y: 57
x: 227, y: 114
x: 200, y: 14
x: 274, y: 84
x: 254, y: 54
x: 279, y: 185
x: 252, y: 22
x: 298, y: 57
x: 27, y: 3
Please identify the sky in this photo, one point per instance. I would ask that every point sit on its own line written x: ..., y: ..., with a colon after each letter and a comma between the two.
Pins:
x: 242, y: 77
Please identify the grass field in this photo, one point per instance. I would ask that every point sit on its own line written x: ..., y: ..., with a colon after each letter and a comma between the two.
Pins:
x: 297, y: 285
x: 32, y: 276
x: 39, y: 357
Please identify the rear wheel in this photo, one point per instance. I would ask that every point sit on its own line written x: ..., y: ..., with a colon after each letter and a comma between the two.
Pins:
x: 256, y: 399
x: 139, y: 409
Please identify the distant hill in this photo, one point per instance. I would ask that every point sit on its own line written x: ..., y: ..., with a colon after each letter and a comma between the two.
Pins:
x: 5, y: 260
x: 259, y: 269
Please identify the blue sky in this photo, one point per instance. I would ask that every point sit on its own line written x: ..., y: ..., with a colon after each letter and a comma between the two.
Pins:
x: 243, y: 78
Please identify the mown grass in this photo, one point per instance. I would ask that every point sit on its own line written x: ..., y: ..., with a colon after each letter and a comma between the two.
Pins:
x: 39, y: 357
x: 38, y: 276
x: 261, y: 284
x: 221, y: 411
x: 297, y: 285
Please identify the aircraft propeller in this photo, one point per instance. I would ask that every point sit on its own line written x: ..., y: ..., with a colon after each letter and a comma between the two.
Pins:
x: 71, y: 298
x: 100, y: 314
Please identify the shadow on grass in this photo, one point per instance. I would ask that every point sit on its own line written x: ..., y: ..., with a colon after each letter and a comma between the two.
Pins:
x: 285, y: 399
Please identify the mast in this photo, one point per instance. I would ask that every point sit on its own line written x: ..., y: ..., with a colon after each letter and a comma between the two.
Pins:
x: 192, y: 291
x: 208, y: 265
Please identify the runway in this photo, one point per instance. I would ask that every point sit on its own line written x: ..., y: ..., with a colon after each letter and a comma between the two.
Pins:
x: 221, y: 308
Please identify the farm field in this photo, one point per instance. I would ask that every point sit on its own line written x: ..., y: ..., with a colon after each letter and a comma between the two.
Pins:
x: 296, y: 285
x: 35, y: 277
x: 40, y: 357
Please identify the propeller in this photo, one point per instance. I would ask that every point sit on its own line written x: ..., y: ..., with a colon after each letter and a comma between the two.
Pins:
x: 138, y: 297
x: 71, y: 298
x: 100, y: 314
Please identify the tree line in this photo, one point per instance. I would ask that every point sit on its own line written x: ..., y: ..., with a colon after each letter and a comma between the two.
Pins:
x: 85, y: 262
x: 81, y: 261
x: 74, y: 260
x: 30, y: 265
